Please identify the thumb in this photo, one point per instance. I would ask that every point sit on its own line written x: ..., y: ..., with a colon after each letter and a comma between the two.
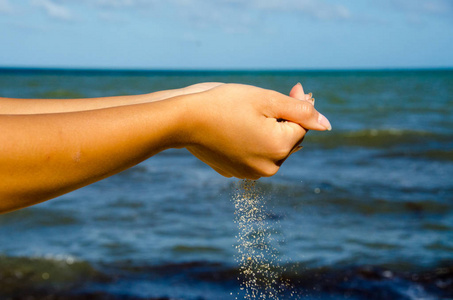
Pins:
x: 301, y: 112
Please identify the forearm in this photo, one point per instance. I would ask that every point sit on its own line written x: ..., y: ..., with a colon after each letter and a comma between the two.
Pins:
x: 43, y: 156
x: 44, y: 106
x: 11, y: 106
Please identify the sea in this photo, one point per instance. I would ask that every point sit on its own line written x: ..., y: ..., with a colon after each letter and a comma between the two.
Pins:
x: 364, y: 211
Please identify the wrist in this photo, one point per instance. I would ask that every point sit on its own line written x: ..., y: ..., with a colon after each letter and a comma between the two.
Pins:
x: 182, y: 122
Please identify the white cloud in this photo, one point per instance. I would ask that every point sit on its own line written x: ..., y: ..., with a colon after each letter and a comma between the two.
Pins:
x: 219, y: 13
x: 53, y: 9
x: 5, y: 6
x: 233, y: 11
x: 319, y: 9
x: 245, y: 16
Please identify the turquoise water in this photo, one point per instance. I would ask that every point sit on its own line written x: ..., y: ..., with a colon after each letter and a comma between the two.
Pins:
x: 362, y: 212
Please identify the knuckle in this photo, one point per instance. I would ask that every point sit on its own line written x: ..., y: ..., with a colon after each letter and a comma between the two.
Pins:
x: 273, y: 99
x: 306, y: 108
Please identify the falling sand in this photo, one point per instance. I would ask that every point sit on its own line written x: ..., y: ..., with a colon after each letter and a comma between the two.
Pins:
x: 259, y: 267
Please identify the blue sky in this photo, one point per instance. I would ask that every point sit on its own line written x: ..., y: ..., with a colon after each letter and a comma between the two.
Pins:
x: 227, y: 34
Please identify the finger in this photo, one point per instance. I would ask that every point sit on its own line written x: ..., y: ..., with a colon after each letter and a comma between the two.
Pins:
x: 309, y: 97
x: 302, y: 113
x: 298, y: 92
x: 293, y: 135
x: 295, y: 138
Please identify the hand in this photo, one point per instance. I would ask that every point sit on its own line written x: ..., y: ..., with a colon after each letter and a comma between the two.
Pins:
x: 248, y: 132
x: 298, y: 92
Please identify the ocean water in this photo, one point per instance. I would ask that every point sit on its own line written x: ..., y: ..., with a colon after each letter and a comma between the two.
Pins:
x: 362, y: 212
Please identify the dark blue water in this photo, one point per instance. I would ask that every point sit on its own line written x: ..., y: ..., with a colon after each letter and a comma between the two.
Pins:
x: 362, y: 212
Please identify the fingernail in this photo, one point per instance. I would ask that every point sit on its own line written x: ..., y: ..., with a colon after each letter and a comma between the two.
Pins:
x: 313, y: 99
x: 310, y: 94
x: 324, y: 122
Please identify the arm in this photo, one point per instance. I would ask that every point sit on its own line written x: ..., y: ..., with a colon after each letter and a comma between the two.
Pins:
x: 46, y: 155
x: 41, y: 106
x: 232, y: 128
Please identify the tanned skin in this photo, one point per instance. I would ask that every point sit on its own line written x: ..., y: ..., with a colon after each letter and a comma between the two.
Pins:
x: 51, y: 147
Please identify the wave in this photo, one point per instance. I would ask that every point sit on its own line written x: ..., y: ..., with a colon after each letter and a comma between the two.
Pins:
x: 68, y: 278
x: 373, y: 206
x: 62, y: 273
x: 380, y: 138
x: 364, y: 199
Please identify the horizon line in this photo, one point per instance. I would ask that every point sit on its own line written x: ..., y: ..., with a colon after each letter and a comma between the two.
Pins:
x: 211, y: 70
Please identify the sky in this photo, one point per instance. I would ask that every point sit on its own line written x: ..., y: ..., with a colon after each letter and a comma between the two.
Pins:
x: 226, y: 34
